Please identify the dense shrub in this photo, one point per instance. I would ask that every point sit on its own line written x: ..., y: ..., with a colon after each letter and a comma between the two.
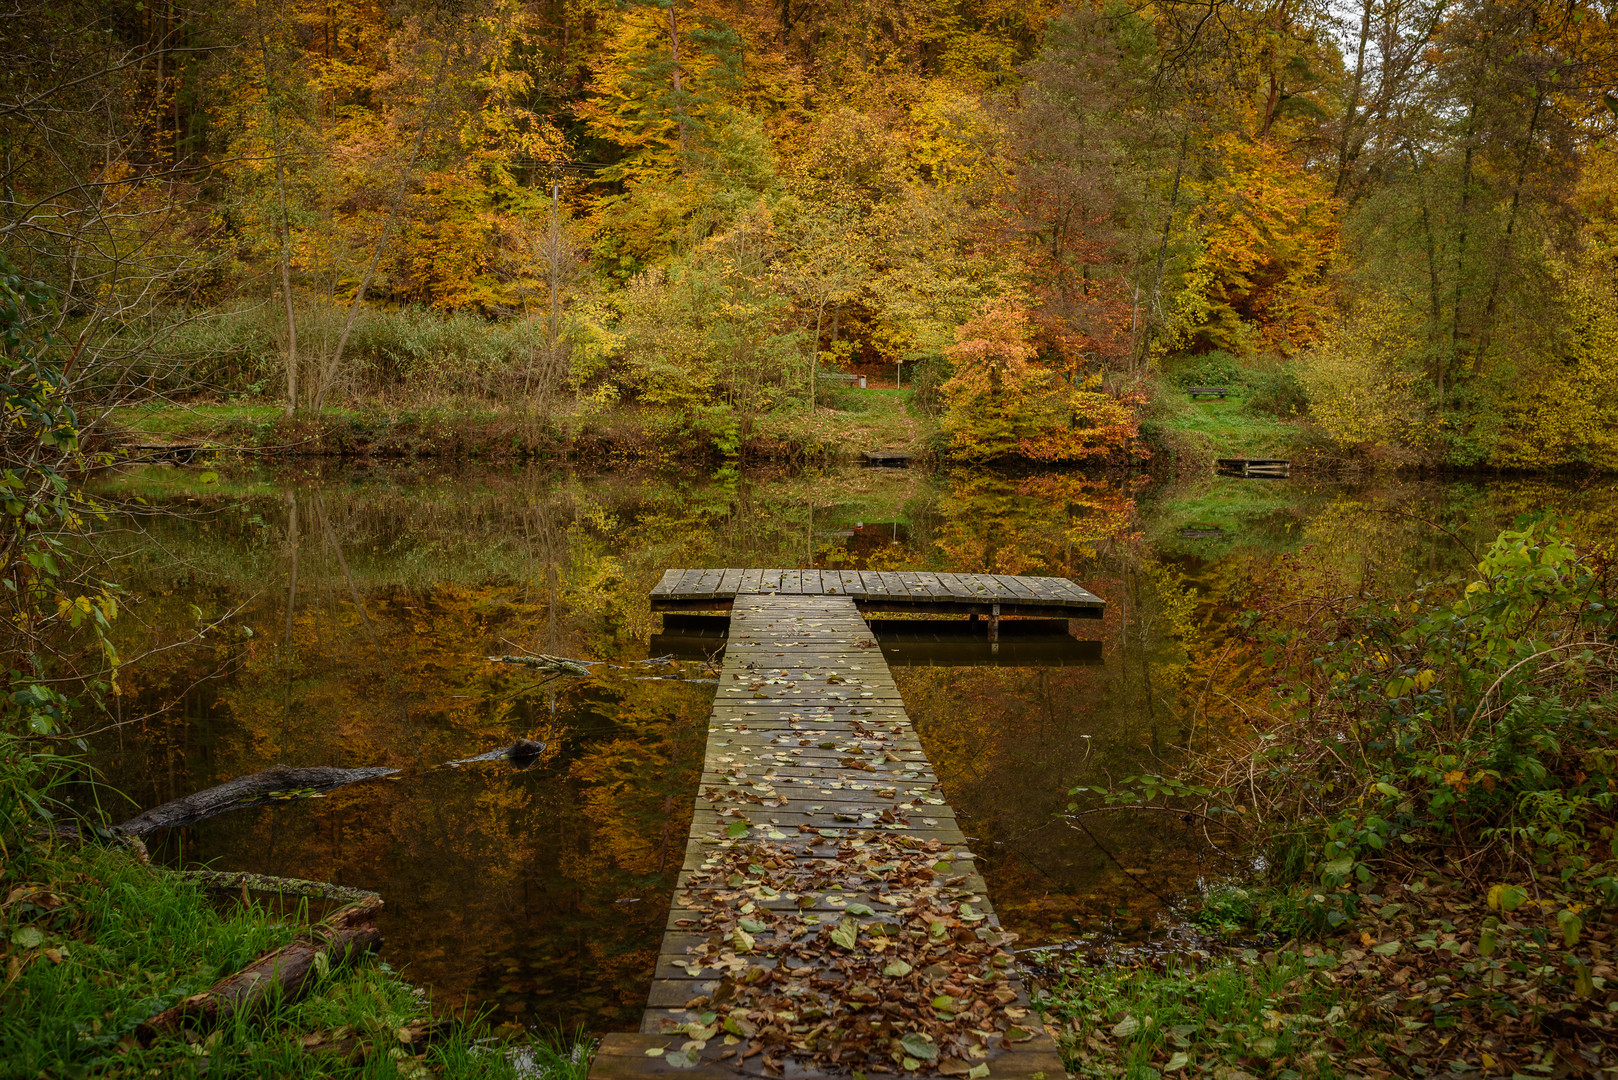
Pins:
x: 1216, y: 368
x: 1275, y: 391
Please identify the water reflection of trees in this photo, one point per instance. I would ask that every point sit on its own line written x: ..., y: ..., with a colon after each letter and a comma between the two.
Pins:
x: 372, y: 604
x: 1179, y: 563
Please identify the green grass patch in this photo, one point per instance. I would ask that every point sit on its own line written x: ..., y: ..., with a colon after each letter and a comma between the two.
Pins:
x: 95, y: 942
x: 1225, y: 428
x: 192, y: 421
x: 1272, y: 1014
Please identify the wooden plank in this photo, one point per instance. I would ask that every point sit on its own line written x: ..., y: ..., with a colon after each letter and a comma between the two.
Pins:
x: 689, y: 581
x: 894, y: 584
x: 791, y: 582
x: 1015, y: 589
x: 987, y: 587
x: 624, y: 1056
x: 1082, y: 596
x: 730, y: 581
x: 851, y: 584
x: 952, y: 586
x: 1041, y: 588
x: 666, y: 585
x: 749, y: 582
x: 708, y: 583
x: 769, y: 581
x: 877, y: 586
x: 813, y: 584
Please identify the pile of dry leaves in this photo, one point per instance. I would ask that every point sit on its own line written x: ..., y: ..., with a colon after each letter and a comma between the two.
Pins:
x: 866, y: 957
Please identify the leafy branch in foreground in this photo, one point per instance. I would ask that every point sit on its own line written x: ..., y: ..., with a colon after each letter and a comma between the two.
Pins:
x: 47, y: 600
x: 1432, y: 785
x: 1466, y: 727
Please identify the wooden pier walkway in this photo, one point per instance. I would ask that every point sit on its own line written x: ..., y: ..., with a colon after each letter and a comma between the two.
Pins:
x: 830, y: 918
x: 871, y: 590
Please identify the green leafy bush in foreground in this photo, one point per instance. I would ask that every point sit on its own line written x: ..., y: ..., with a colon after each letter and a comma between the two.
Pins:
x: 1430, y: 775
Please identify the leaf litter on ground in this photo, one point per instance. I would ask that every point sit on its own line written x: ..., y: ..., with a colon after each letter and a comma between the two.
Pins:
x: 900, y: 974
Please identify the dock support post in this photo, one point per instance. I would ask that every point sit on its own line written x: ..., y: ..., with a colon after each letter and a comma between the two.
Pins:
x: 994, y: 627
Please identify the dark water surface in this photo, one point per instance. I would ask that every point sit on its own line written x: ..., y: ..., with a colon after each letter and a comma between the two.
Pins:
x: 359, y: 607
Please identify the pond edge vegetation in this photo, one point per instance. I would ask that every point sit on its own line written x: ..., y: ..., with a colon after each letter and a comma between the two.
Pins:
x: 1431, y: 777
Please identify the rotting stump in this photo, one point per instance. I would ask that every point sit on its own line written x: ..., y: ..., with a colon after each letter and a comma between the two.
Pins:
x: 830, y: 917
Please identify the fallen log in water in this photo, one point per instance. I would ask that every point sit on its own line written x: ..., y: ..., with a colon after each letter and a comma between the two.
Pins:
x: 285, y: 972
x: 522, y: 753
x: 271, y: 785
x: 230, y: 881
x: 556, y: 665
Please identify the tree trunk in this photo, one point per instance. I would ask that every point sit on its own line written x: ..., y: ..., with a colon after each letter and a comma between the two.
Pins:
x: 282, y: 974
x: 283, y: 224
x: 1434, y: 312
x: 1487, y: 329
x: 329, y: 376
x: 814, y: 353
x: 1351, y: 113
x: 1460, y: 239
x: 1155, y: 300
x: 679, y: 91
x: 244, y: 792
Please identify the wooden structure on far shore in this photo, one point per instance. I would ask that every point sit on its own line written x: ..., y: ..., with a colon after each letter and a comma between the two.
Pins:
x: 1268, y: 468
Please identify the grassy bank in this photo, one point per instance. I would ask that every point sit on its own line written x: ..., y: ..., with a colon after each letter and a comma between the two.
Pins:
x: 848, y: 422
x: 1198, y: 432
x: 96, y: 942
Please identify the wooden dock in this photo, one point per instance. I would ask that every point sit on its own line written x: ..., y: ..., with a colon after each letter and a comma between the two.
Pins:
x: 1264, y: 468
x: 830, y: 918
x: 871, y: 590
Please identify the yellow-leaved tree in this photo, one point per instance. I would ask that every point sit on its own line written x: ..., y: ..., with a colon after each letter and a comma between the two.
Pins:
x: 1363, y: 388
x: 1561, y: 412
x: 1000, y: 403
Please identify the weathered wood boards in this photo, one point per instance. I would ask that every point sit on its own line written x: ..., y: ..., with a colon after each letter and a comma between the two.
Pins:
x: 874, y: 590
x: 1264, y: 468
x: 812, y: 767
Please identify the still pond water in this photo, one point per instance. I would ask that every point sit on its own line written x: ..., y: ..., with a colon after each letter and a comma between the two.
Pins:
x: 360, y: 606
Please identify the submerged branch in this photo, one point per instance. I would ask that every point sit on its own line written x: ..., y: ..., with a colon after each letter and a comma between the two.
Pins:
x: 230, y: 881
x: 558, y: 665
x: 271, y: 785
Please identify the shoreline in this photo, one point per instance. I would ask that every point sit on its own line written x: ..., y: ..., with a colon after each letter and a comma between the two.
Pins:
x: 492, y: 436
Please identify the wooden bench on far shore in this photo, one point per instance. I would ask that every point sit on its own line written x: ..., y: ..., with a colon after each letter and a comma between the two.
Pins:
x: 1207, y: 391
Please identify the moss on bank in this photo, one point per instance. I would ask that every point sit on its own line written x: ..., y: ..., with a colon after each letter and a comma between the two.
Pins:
x: 95, y: 942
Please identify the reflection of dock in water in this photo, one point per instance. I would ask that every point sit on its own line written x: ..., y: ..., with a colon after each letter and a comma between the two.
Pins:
x: 912, y: 642
x: 830, y: 917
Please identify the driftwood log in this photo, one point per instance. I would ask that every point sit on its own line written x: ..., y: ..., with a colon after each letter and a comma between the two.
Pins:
x: 285, y: 972
x: 556, y: 665
x: 231, y: 880
x: 274, y: 784
x: 522, y: 753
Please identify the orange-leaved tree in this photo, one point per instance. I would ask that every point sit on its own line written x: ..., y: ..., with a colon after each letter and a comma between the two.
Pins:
x: 1002, y: 403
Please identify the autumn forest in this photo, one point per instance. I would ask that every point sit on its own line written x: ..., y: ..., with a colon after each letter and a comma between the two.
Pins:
x: 1388, y: 225
x: 376, y: 373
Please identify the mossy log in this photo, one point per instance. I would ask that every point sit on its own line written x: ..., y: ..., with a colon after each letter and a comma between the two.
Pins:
x: 277, y: 783
x: 555, y: 665
x: 284, y: 973
x: 230, y: 881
